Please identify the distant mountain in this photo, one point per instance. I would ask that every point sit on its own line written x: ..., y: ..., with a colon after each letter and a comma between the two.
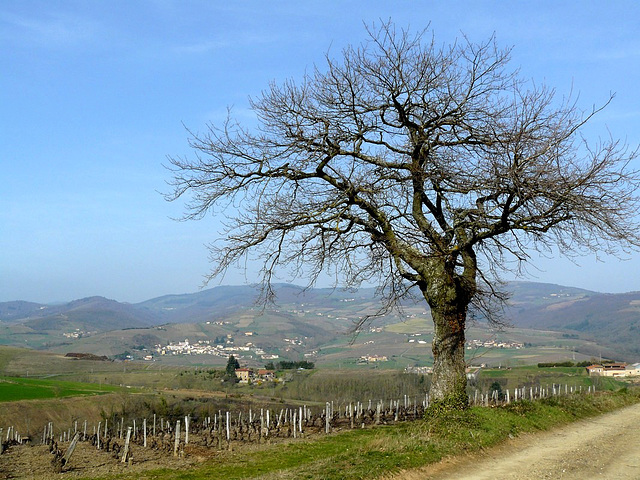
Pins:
x: 16, y: 310
x: 96, y: 314
x: 99, y: 314
x: 223, y: 301
x: 200, y: 306
x: 607, y: 319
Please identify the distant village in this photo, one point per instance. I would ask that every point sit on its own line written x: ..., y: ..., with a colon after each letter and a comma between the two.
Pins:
x: 218, y: 349
x: 471, y: 344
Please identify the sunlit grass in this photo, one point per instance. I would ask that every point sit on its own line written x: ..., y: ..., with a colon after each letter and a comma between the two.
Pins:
x: 14, y: 389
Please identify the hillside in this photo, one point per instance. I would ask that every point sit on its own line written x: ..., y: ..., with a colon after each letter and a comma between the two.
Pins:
x: 17, y: 310
x: 316, y: 323
x: 612, y: 320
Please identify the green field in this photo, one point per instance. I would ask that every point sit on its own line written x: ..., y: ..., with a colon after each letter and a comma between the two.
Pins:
x: 13, y: 389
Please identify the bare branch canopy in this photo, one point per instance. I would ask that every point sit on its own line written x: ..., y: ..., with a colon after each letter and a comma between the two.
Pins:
x: 412, y: 166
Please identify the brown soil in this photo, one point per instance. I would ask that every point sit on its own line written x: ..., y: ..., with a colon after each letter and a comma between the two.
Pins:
x: 34, y: 462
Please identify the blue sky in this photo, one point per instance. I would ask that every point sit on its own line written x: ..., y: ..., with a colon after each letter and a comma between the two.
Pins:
x: 95, y: 94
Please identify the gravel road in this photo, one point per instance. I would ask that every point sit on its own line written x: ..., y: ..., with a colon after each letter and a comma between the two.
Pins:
x: 606, y: 447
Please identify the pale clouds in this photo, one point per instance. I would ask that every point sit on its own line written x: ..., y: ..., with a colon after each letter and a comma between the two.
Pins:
x: 225, y: 41
x: 50, y: 30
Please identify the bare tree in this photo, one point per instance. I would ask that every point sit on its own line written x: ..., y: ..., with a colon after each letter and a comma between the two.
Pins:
x: 418, y: 167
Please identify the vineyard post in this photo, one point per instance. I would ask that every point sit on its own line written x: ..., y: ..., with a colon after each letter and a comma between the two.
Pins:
x: 327, y: 417
x: 177, y: 440
x: 228, y: 431
x: 72, y: 447
x: 125, y: 454
x: 295, y: 413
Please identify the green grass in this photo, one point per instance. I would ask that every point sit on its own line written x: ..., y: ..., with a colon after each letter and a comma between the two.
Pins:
x: 371, y: 453
x: 13, y: 389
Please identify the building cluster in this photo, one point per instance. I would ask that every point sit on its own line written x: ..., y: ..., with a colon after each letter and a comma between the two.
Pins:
x: 205, y: 347
x: 249, y: 375
x: 471, y: 344
x: 413, y: 339
x: 77, y: 333
x: 614, y: 370
x: 373, y: 358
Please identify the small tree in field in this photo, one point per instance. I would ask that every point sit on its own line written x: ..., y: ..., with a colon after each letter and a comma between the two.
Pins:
x: 416, y: 167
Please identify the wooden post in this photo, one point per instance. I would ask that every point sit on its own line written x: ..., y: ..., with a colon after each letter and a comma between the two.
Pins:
x: 228, y: 431
x: 295, y: 413
x: 186, y: 429
x: 300, y: 423
x: 261, y: 422
x: 144, y: 432
x: 327, y: 418
x: 72, y: 447
x: 125, y: 454
x: 177, y: 440
x: 351, y: 414
x: 98, y: 436
x: 154, y: 424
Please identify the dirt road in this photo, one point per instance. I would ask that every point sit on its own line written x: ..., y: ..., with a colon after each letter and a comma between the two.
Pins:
x: 606, y: 447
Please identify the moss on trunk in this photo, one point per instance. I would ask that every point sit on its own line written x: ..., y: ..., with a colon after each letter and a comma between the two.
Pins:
x: 448, y: 296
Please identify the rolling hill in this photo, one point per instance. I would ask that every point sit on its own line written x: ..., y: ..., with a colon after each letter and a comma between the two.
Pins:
x: 308, y: 320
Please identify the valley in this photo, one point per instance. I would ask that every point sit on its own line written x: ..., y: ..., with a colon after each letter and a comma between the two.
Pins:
x: 544, y: 323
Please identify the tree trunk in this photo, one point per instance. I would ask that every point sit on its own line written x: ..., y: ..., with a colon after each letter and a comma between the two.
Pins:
x: 448, y: 295
x: 449, y: 380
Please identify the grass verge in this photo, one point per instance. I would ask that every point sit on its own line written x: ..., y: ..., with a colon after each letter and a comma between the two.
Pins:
x: 371, y: 453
